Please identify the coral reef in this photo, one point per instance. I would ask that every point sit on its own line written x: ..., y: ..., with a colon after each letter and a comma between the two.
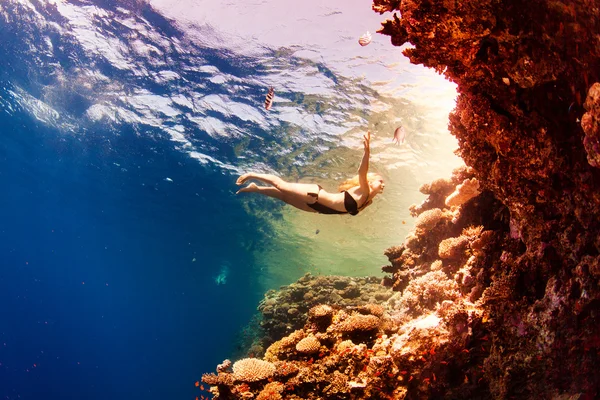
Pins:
x: 286, y: 310
x: 495, y: 294
x: 428, y: 339
x: 523, y: 71
x: 361, y: 356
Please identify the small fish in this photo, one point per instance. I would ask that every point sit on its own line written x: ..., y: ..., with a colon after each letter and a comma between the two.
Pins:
x: 168, y: 179
x: 365, y: 39
x: 399, y: 135
x: 269, y: 98
x: 317, y: 232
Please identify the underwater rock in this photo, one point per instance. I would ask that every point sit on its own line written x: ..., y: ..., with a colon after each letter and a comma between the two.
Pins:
x: 522, y: 70
x: 590, y: 123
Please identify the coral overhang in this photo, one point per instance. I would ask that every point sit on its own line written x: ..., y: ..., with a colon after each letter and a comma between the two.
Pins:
x: 524, y: 70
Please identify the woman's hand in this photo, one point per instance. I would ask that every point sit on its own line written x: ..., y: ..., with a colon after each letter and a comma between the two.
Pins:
x: 366, y: 143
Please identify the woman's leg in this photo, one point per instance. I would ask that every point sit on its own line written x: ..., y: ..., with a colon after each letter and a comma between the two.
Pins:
x: 295, y: 194
x: 266, y: 178
x: 266, y: 190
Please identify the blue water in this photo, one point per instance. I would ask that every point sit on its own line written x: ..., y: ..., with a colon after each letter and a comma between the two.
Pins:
x: 100, y: 296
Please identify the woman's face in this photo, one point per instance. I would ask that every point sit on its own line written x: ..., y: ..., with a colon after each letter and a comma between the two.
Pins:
x: 377, y: 185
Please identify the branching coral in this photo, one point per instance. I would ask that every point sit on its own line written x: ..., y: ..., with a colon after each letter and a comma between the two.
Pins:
x: 425, y: 292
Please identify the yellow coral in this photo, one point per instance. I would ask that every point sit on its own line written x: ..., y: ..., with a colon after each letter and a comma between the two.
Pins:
x: 453, y: 248
x: 308, y: 345
x: 472, y: 231
x: 338, y: 384
x: 283, y: 346
x: 271, y: 391
x: 320, y: 310
x: 428, y: 219
x: 373, y: 309
x: 358, y: 322
x: 344, y: 346
x: 252, y: 370
x: 439, y: 185
x: 424, y: 292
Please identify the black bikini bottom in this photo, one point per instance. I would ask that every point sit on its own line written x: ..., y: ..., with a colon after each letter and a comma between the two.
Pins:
x: 349, y: 204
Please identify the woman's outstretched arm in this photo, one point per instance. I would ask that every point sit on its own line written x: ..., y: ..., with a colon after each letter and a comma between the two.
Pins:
x: 364, y: 164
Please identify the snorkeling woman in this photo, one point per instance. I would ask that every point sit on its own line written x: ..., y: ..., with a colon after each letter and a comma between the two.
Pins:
x: 355, y: 194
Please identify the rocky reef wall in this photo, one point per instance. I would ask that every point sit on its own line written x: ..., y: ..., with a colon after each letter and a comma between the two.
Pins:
x: 527, y: 123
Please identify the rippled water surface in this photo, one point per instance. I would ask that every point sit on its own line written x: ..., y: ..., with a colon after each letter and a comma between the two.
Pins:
x: 128, y: 265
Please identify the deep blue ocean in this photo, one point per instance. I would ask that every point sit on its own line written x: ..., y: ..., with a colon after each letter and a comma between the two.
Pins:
x: 100, y: 298
x: 128, y: 266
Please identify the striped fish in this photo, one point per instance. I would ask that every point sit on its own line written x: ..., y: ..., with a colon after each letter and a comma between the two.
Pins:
x: 365, y: 39
x: 269, y: 99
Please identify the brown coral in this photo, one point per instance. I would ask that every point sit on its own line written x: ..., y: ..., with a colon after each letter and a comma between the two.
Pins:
x: 453, y: 248
x: 357, y: 322
x: 308, y: 345
x: 252, y: 370
x: 320, y: 311
x: 425, y: 292
x: 429, y: 219
x: 374, y: 309
x: 279, y: 348
x: 271, y: 391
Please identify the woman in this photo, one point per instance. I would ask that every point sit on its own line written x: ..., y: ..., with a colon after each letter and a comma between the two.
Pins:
x: 355, y: 194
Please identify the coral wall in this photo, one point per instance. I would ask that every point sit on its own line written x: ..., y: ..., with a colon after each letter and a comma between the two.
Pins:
x: 524, y: 69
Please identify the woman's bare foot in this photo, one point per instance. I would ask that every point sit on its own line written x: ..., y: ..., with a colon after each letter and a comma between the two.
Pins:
x: 243, y: 178
x: 252, y: 187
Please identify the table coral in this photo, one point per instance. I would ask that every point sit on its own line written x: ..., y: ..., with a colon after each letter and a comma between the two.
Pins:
x: 252, y: 370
